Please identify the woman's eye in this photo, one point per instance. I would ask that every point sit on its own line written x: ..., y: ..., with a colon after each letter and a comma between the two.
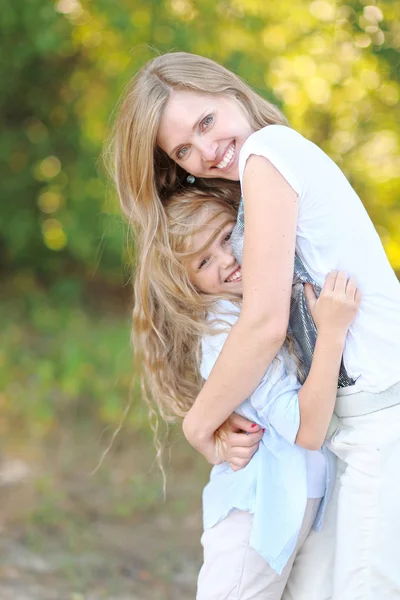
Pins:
x: 206, y: 122
x: 182, y: 152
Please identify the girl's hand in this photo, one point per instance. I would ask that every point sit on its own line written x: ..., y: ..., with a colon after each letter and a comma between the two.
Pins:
x: 237, y: 441
x: 337, y: 306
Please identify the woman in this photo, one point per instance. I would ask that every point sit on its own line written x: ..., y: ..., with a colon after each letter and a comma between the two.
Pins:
x: 185, y: 114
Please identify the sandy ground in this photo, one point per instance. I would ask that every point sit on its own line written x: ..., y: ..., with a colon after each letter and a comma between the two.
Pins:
x: 66, y: 535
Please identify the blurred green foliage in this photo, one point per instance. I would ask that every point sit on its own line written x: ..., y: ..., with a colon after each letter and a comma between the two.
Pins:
x: 333, y: 67
x: 63, y: 363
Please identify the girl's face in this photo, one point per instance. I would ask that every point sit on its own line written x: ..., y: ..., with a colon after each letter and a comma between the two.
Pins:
x: 204, y: 133
x: 215, y: 270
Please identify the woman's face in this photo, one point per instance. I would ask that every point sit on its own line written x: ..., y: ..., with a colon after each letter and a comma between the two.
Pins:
x: 204, y: 133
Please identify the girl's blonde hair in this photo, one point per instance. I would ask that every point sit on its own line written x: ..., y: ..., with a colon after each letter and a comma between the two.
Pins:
x: 168, y: 327
x: 169, y: 322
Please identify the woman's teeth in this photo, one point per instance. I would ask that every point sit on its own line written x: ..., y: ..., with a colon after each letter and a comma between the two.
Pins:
x: 227, y: 158
x: 235, y: 276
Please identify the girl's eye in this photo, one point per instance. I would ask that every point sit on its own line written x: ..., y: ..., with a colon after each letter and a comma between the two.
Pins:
x: 228, y: 237
x: 206, y: 122
x: 182, y: 152
x: 203, y: 263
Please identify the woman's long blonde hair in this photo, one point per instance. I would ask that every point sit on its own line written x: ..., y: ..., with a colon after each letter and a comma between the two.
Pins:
x: 144, y: 175
x: 145, y: 178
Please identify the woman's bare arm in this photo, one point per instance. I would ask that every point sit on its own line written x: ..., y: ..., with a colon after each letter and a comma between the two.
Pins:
x: 271, y: 208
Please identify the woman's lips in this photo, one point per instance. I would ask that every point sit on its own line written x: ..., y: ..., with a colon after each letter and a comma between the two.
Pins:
x: 228, y: 158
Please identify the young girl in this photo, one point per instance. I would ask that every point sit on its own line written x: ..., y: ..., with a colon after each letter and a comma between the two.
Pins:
x: 185, y: 114
x: 257, y: 520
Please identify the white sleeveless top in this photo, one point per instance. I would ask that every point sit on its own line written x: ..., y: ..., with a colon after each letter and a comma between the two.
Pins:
x: 334, y: 231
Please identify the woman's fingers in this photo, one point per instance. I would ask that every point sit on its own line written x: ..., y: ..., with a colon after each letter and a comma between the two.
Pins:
x: 238, y: 423
x: 240, y: 457
x: 239, y: 448
x: 243, y: 440
x: 238, y: 463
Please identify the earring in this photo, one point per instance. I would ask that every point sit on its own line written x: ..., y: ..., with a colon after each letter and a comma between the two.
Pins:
x: 190, y: 179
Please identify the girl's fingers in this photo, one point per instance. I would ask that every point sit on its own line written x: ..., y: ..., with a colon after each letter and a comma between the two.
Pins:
x: 310, y: 295
x: 351, y: 287
x: 358, y: 298
x: 330, y: 281
x: 341, y: 282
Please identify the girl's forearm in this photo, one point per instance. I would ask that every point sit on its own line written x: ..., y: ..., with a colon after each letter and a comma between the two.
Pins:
x: 318, y: 394
x: 234, y: 377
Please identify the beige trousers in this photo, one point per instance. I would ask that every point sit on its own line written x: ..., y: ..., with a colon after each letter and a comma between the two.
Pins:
x: 232, y: 570
x: 367, y: 562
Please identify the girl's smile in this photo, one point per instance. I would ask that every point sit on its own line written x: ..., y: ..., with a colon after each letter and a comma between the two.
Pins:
x: 204, y: 133
x: 214, y: 269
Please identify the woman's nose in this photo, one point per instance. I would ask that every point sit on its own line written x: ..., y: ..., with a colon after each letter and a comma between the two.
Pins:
x: 208, y: 150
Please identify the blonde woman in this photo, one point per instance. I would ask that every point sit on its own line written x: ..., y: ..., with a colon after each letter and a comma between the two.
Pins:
x: 267, y: 524
x: 185, y: 114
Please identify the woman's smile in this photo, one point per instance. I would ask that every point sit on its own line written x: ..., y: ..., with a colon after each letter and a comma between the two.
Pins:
x: 228, y: 157
x: 204, y: 133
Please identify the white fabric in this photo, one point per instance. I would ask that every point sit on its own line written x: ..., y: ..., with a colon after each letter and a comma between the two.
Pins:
x: 335, y: 232
x: 233, y: 570
x: 367, y: 562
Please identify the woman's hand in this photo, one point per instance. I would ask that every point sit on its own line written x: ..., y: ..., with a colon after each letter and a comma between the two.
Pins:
x: 234, y: 442
x: 237, y: 441
x: 337, y: 306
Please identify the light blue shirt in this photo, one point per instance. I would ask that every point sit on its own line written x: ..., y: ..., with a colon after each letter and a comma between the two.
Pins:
x: 273, y: 486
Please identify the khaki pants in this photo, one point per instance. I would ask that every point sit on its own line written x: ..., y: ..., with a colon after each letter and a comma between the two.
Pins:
x: 367, y: 561
x: 232, y: 570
